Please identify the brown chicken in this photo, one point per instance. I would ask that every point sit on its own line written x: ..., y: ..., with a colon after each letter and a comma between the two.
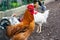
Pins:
x: 24, y: 29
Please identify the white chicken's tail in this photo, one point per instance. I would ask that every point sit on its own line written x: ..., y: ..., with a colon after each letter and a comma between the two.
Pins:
x: 46, y: 13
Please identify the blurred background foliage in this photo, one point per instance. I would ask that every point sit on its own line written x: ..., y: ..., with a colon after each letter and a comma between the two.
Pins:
x: 8, y: 4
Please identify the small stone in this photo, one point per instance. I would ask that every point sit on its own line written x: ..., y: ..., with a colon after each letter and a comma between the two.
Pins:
x: 42, y: 39
x: 48, y: 34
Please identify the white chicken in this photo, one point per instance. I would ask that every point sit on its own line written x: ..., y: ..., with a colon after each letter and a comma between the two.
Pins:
x: 41, y: 18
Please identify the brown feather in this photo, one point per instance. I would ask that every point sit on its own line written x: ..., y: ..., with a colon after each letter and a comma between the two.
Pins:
x: 22, y: 30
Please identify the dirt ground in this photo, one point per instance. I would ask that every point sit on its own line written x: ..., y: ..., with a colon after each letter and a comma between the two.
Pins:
x: 51, y: 30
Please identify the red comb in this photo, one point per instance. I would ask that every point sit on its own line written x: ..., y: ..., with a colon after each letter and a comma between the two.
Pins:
x: 30, y: 6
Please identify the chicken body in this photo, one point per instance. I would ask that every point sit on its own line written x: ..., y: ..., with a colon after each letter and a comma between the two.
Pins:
x: 22, y: 30
x: 41, y: 18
